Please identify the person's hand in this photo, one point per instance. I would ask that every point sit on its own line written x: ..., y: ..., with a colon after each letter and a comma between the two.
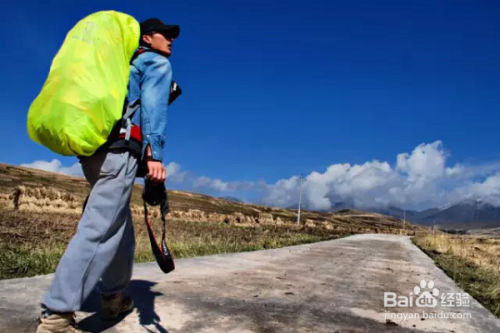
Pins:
x: 156, y: 171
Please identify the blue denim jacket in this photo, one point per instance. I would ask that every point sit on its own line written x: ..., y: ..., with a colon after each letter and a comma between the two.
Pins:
x: 150, y: 79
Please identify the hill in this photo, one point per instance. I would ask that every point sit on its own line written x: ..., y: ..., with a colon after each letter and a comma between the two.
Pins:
x: 41, y: 191
x: 233, y: 199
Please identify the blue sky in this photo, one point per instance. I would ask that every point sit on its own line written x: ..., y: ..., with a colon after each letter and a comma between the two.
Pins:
x: 275, y: 89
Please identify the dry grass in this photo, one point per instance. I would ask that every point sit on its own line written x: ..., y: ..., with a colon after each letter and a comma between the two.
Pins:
x: 32, y: 243
x: 44, y: 199
x: 473, y: 262
x: 483, y: 252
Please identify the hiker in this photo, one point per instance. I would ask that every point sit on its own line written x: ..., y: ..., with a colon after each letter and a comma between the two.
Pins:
x: 102, y: 251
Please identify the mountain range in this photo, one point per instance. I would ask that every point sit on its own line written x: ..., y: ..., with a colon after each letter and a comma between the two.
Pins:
x: 470, y: 213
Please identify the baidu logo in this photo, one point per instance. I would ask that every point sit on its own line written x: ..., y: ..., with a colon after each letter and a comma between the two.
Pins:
x: 426, y: 295
x: 423, y: 296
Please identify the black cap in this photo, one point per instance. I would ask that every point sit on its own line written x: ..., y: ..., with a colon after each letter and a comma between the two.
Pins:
x: 157, y: 25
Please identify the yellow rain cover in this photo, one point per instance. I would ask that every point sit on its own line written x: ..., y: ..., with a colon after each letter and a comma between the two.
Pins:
x: 83, y: 96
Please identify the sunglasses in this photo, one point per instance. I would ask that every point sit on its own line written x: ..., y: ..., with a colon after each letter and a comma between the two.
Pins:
x: 165, y: 34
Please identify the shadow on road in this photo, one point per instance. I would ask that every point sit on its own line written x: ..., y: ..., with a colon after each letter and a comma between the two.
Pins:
x: 144, y: 302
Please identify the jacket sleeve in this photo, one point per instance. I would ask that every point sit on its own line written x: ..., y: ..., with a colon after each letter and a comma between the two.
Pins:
x: 155, y: 92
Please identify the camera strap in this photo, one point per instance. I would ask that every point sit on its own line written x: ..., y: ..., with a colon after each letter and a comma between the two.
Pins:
x: 160, y: 251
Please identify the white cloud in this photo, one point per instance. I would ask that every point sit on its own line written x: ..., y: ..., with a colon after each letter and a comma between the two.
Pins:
x: 174, y: 173
x: 426, y: 162
x: 283, y: 193
x: 457, y: 170
x: 419, y: 179
x: 56, y: 167
x: 488, y: 189
x: 219, y: 185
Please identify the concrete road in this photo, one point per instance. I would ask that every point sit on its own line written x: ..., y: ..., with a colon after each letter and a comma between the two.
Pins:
x: 334, y: 286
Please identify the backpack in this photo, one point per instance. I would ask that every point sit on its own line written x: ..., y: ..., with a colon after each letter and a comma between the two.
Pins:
x: 83, y: 96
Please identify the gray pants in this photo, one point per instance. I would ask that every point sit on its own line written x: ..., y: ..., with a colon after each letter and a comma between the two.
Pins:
x: 104, y: 244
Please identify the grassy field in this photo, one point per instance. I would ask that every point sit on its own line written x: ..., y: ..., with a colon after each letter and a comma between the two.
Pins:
x: 32, y: 243
x: 472, y: 262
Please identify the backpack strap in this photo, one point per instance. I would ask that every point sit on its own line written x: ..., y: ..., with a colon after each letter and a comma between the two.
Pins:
x: 130, y: 109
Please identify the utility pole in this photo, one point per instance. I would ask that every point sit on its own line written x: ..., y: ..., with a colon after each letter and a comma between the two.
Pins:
x: 433, y: 227
x: 404, y: 222
x: 300, y: 200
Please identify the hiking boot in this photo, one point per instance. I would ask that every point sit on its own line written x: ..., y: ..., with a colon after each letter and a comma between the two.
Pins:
x: 58, y: 323
x: 115, y: 305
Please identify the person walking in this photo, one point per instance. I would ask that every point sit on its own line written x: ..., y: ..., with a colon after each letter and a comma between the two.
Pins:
x: 101, y: 253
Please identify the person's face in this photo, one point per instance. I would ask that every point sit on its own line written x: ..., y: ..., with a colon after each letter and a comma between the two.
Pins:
x: 159, y: 42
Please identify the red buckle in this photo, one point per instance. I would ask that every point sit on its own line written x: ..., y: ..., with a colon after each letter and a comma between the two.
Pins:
x: 135, y: 134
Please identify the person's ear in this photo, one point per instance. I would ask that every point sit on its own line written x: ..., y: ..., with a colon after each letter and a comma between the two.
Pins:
x: 147, y: 39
